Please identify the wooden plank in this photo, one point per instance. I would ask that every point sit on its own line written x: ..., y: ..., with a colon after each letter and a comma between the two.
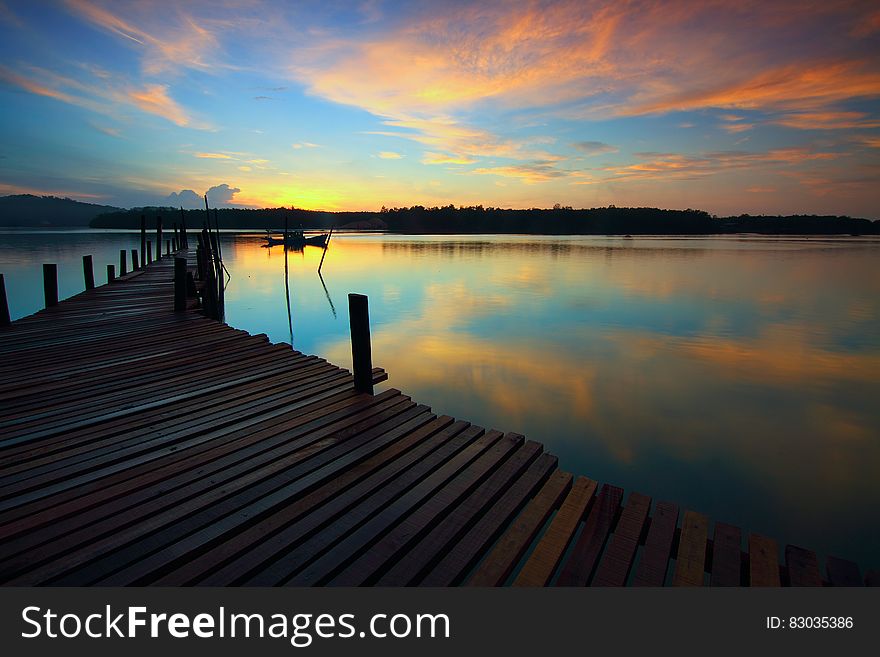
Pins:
x: 842, y: 572
x: 254, y: 543
x: 726, y: 556
x: 763, y: 561
x: 803, y: 567
x: 615, y: 565
x: 691, y: 559
x: 352, y: 546
x: 651, y: 569
x: 542, y: 563
x: 581, y: 562
x: 500, y: 562
x: 281, y: 555
x: 364, y: 443
x: 384, y: 553
x: 463, y: 556
x: 441, y: 536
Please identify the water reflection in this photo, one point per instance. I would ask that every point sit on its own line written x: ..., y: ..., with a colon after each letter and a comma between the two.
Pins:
x: 734, y: 376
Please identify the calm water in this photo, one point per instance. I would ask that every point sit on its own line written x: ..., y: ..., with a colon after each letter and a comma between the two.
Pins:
x: 738, y: 377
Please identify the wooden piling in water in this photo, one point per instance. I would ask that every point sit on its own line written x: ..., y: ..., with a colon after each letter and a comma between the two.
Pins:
x: 361, y: 356
x: 158, y: 238
x: 149, y: 253
x: 88, y: 272
x: 184, y: 242
x: 122, y: 262
x: 168, y: 247
x: 50, y: 284
x: 111, y: 273
x: 134, y: 260
x: 4, y: 304
x: 179, y: 284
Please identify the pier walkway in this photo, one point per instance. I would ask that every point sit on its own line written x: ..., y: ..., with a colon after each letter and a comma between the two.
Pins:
x: 143, y: 446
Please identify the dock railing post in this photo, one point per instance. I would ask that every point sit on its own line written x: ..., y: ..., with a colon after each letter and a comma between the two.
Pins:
x: 158, y: 238
x: 168, y: 247
x: 134, y: 260
x: 179, y: 284
x: 4, y: 304
x: 149, y: 253
x: 122, y: 262
x: 88, y: 272
x: 111, y: 273
x: 144, y: 240
x: 50, y: 285
x: 361, y: 356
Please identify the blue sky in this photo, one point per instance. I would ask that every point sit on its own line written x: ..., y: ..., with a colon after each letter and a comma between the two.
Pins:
x: 726, y: 106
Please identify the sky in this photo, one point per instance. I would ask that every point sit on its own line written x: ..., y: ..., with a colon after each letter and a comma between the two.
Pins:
x: 729, y: 106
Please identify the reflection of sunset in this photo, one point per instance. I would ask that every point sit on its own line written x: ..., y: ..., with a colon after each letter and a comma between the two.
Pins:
x: 649, y: 364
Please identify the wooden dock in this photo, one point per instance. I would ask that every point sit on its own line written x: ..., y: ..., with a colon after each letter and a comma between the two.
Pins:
x: 143, y: 446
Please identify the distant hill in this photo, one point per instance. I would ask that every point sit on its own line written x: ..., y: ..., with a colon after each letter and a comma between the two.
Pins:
x: 477, y: 219
x: 29, y: 211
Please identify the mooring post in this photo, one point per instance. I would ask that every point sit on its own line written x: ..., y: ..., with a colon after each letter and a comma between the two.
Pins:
x: 88, y: 272
x: 134, y: 260
x: 158, y: 238
x: 4, y: 305
x: 179, y: 284
x: 122, y: 262
x: 168, y: 247
x: 144, y: 240
x: 111, y: 273
x: 361, y: 356
x: 149, y: 252
x: 50, y: 285
x: 184, y: 240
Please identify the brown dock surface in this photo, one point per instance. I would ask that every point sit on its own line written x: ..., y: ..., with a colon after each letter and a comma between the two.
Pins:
x: 143, y: 446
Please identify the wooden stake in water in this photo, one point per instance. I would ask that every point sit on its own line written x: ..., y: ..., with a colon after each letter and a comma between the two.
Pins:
x: 88, y: 272
x: 50, y: 285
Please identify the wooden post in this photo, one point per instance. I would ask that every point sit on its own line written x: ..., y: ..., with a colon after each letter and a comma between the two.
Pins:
x: 111, y: 273
x: 88, y: 272
x: 168, y: 247
x: 50, y: 285
x: 134, y: 260
x: 144, y: 240
x: 149, y: 252
x: 122, y: 262
x: 184, y: 241
x: 158, y: 238
x: 4, y: 305
x: 361, y: 358
x: 179, y: 284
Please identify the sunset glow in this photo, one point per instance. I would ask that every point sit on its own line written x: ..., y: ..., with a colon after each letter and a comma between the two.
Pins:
x: 731, y: 107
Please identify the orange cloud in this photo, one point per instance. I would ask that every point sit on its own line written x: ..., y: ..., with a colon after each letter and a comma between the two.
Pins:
x: 440, y: 158
x: 826, y: 120
x: 154, y: 99
x: 184, y: 42
x: 213, y: 156
x: 792, y: 87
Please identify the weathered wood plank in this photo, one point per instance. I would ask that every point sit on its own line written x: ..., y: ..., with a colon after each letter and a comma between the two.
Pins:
x: 582, y: 560
x: 726, y: 555
x: 500, y: 562
x: 691, y: 560
x: 651, y: 570
x: 763, y: 561
x: 803, y: 567
x: 542, y: 563
x: 615, y: 565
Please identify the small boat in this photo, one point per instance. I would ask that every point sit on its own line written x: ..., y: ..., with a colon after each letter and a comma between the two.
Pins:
x: 296, y: 239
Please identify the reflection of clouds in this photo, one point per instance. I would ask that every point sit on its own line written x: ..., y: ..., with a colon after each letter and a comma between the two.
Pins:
x: 629, y: 399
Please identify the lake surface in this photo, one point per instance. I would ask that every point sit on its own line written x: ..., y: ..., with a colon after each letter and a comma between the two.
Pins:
x: 735, y: 376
